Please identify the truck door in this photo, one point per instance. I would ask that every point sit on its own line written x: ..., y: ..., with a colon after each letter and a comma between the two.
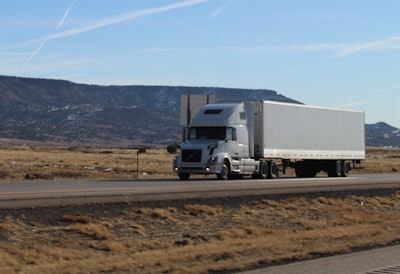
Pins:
x: 231, y: 142
x: 237, y: 145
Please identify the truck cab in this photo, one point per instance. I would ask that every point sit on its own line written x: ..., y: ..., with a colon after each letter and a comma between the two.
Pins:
x: 216, y: 142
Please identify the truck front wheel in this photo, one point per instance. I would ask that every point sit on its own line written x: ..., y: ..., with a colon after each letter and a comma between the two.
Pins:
x: 183, y: 176
x: 225, y: 171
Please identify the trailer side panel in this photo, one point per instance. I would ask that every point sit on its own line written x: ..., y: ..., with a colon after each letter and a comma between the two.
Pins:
x: 291, y: 131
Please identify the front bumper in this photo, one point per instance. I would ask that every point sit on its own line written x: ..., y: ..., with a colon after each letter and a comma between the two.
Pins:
x: 197, y: 169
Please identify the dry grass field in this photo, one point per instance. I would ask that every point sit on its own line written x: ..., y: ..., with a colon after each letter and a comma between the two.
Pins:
x: 39, y: 162
x: 50, y: 163
x: 193, y: 237
x: 181, y: 237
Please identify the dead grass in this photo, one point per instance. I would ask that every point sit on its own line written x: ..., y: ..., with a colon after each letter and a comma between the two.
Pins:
x: 77, y: 218
x: 215, y: 238
x: 157, y: 212
x: 96, y: 231
x: 382, y: 160
x: 197, y: 210
x: 50, y: 163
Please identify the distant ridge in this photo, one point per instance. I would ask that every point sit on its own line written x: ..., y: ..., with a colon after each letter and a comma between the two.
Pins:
x: 63, y: 112
x: 59, y: 112
x: 382, y: 135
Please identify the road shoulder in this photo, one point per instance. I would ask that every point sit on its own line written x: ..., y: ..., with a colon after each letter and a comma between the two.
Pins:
x: 380, y: 260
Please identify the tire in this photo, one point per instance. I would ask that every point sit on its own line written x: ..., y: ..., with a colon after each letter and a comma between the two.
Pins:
x: 310, y: 169
x: 345, y: 169
x: 184, y: 176
x: 263, y: 173
x: 225, y: 172
x: 305, y: 169
x: 299, y: 169
x: 335, y: 169
x: 273, y: 171
x: 311, y: 173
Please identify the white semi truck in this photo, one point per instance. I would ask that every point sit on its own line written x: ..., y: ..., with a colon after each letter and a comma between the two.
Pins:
x: 262, y: 138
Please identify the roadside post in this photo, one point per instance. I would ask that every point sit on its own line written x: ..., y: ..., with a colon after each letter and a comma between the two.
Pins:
x: 140, y: 150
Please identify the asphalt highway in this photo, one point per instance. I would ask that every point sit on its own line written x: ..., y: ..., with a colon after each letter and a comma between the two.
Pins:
x: 173, y: 189
x: 377, y: 261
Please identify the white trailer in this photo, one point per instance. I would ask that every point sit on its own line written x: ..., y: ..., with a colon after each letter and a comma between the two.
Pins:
x: 257, y: 137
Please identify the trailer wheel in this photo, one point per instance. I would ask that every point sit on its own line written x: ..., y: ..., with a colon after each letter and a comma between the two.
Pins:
x: 305, y: 169
x: 263, y: 173
x: 335, y: 169
x: 299, y: 169
x: 310, y: 169
x: 183, y: 176
x: 225, y: 171
x: 273, y: 171
x: 345, y: 169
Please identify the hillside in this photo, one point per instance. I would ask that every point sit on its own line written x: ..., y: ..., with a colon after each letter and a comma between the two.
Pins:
x: 62, y: 112
x: 382, y: 135
x: 43, y: 111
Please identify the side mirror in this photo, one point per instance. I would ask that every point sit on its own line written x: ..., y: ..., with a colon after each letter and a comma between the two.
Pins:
x: 172, y: 148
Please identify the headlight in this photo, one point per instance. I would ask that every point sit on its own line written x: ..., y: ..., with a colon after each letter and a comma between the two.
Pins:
x: 213, y: 160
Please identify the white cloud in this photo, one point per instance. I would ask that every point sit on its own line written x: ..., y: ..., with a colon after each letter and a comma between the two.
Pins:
x: 337, y: 49
x: 390, y: 89
x: 352, y: 104
x: 391, y: 43
x: 159, y: 50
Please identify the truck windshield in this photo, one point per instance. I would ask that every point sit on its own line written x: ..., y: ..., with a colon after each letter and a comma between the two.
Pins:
x: 201, y: 133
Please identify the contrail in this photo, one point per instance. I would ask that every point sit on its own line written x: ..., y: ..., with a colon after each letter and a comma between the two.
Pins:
x: 221, y: 9
x: 44, y: 41
x: 119, y: 19
x: 65, y: 15
x: 35, y: 53
x: 106, y: 22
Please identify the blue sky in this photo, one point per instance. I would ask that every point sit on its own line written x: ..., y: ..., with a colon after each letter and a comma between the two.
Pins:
x: 343, y: 54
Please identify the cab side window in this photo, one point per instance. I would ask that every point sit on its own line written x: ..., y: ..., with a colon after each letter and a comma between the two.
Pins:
x: 232, y: 134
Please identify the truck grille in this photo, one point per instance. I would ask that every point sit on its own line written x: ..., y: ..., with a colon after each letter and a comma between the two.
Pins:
x: 191, y: 155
